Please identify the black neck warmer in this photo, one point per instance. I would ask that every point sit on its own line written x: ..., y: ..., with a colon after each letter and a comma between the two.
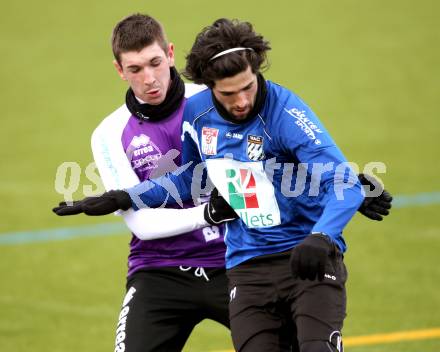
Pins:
x: 258, y: 105
x: 147, y: 112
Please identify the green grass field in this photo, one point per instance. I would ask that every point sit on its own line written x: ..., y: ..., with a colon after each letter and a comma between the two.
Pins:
x: 369, y: 69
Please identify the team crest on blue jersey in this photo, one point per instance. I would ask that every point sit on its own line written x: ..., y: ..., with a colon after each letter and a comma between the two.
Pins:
x: 255, y: 148
x: 209, y: 140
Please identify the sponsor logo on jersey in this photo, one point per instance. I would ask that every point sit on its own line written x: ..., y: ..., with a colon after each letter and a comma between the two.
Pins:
x: 140, y: 141
x: 247, y: 188
x: 307, y: 126
x: 230, y: 135
x: 143, y: 153
x: 209, y: 140
x: 255, y: 148
x: 242, y: 189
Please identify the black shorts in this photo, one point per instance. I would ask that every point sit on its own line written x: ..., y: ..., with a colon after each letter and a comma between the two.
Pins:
x: 162, y: 306
x: 271, y: 311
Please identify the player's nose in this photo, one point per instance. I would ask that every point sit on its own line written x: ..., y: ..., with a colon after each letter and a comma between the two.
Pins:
x: 241, y: 100
x: 148, y: 76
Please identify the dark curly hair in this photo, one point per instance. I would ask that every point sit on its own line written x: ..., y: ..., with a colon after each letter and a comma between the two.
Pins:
x: 225, y: 34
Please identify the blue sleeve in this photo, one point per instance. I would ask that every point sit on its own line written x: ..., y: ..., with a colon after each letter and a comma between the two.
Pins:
x: 303, y: 135
x: 172, y: 188
x: 185, y: 183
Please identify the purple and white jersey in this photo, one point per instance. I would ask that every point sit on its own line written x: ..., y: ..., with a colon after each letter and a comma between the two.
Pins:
x: 128, y: 151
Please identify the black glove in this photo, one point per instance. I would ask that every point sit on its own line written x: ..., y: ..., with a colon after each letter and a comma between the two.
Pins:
x: 374, y: 207
x: 308, y: 259
x: 218, y: 211
x: 106, y: 203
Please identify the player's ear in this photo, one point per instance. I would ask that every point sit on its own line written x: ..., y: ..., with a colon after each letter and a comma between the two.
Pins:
x: 119, y: 69
x: 170, y: 54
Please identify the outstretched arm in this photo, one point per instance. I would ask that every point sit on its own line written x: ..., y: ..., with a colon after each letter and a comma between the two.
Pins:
x: 116, y: 172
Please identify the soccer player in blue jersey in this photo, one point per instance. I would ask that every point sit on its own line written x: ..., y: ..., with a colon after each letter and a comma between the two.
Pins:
x: 284, y: 254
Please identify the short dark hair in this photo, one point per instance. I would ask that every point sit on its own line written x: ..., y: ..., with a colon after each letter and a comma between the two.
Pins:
x: 225, y: 34
x: 135, y: 32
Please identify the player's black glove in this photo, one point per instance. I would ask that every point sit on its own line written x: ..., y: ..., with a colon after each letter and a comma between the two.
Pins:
x: 374, y: 208
x: 308, y: 259
x: 106, y: 203
x: 218, y: 211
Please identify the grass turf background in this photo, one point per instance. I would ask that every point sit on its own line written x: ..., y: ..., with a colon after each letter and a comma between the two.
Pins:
x: 368, y: 69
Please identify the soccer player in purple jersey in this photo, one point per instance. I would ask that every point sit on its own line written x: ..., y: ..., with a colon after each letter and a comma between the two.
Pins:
x: 173, y: 282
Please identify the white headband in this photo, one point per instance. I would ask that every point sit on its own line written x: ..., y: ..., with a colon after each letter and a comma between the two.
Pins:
x: 224, y: 52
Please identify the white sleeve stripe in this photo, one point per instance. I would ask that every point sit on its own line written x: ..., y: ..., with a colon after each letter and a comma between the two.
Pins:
x: 192, y: 89
x: 110, y: 158
x: 150, y: 224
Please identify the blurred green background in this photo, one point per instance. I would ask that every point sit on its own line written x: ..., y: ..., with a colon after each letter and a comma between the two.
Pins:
x: 369, y: 69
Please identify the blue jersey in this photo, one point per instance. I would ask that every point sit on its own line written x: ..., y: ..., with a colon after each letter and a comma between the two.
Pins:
x: 281, y: 172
